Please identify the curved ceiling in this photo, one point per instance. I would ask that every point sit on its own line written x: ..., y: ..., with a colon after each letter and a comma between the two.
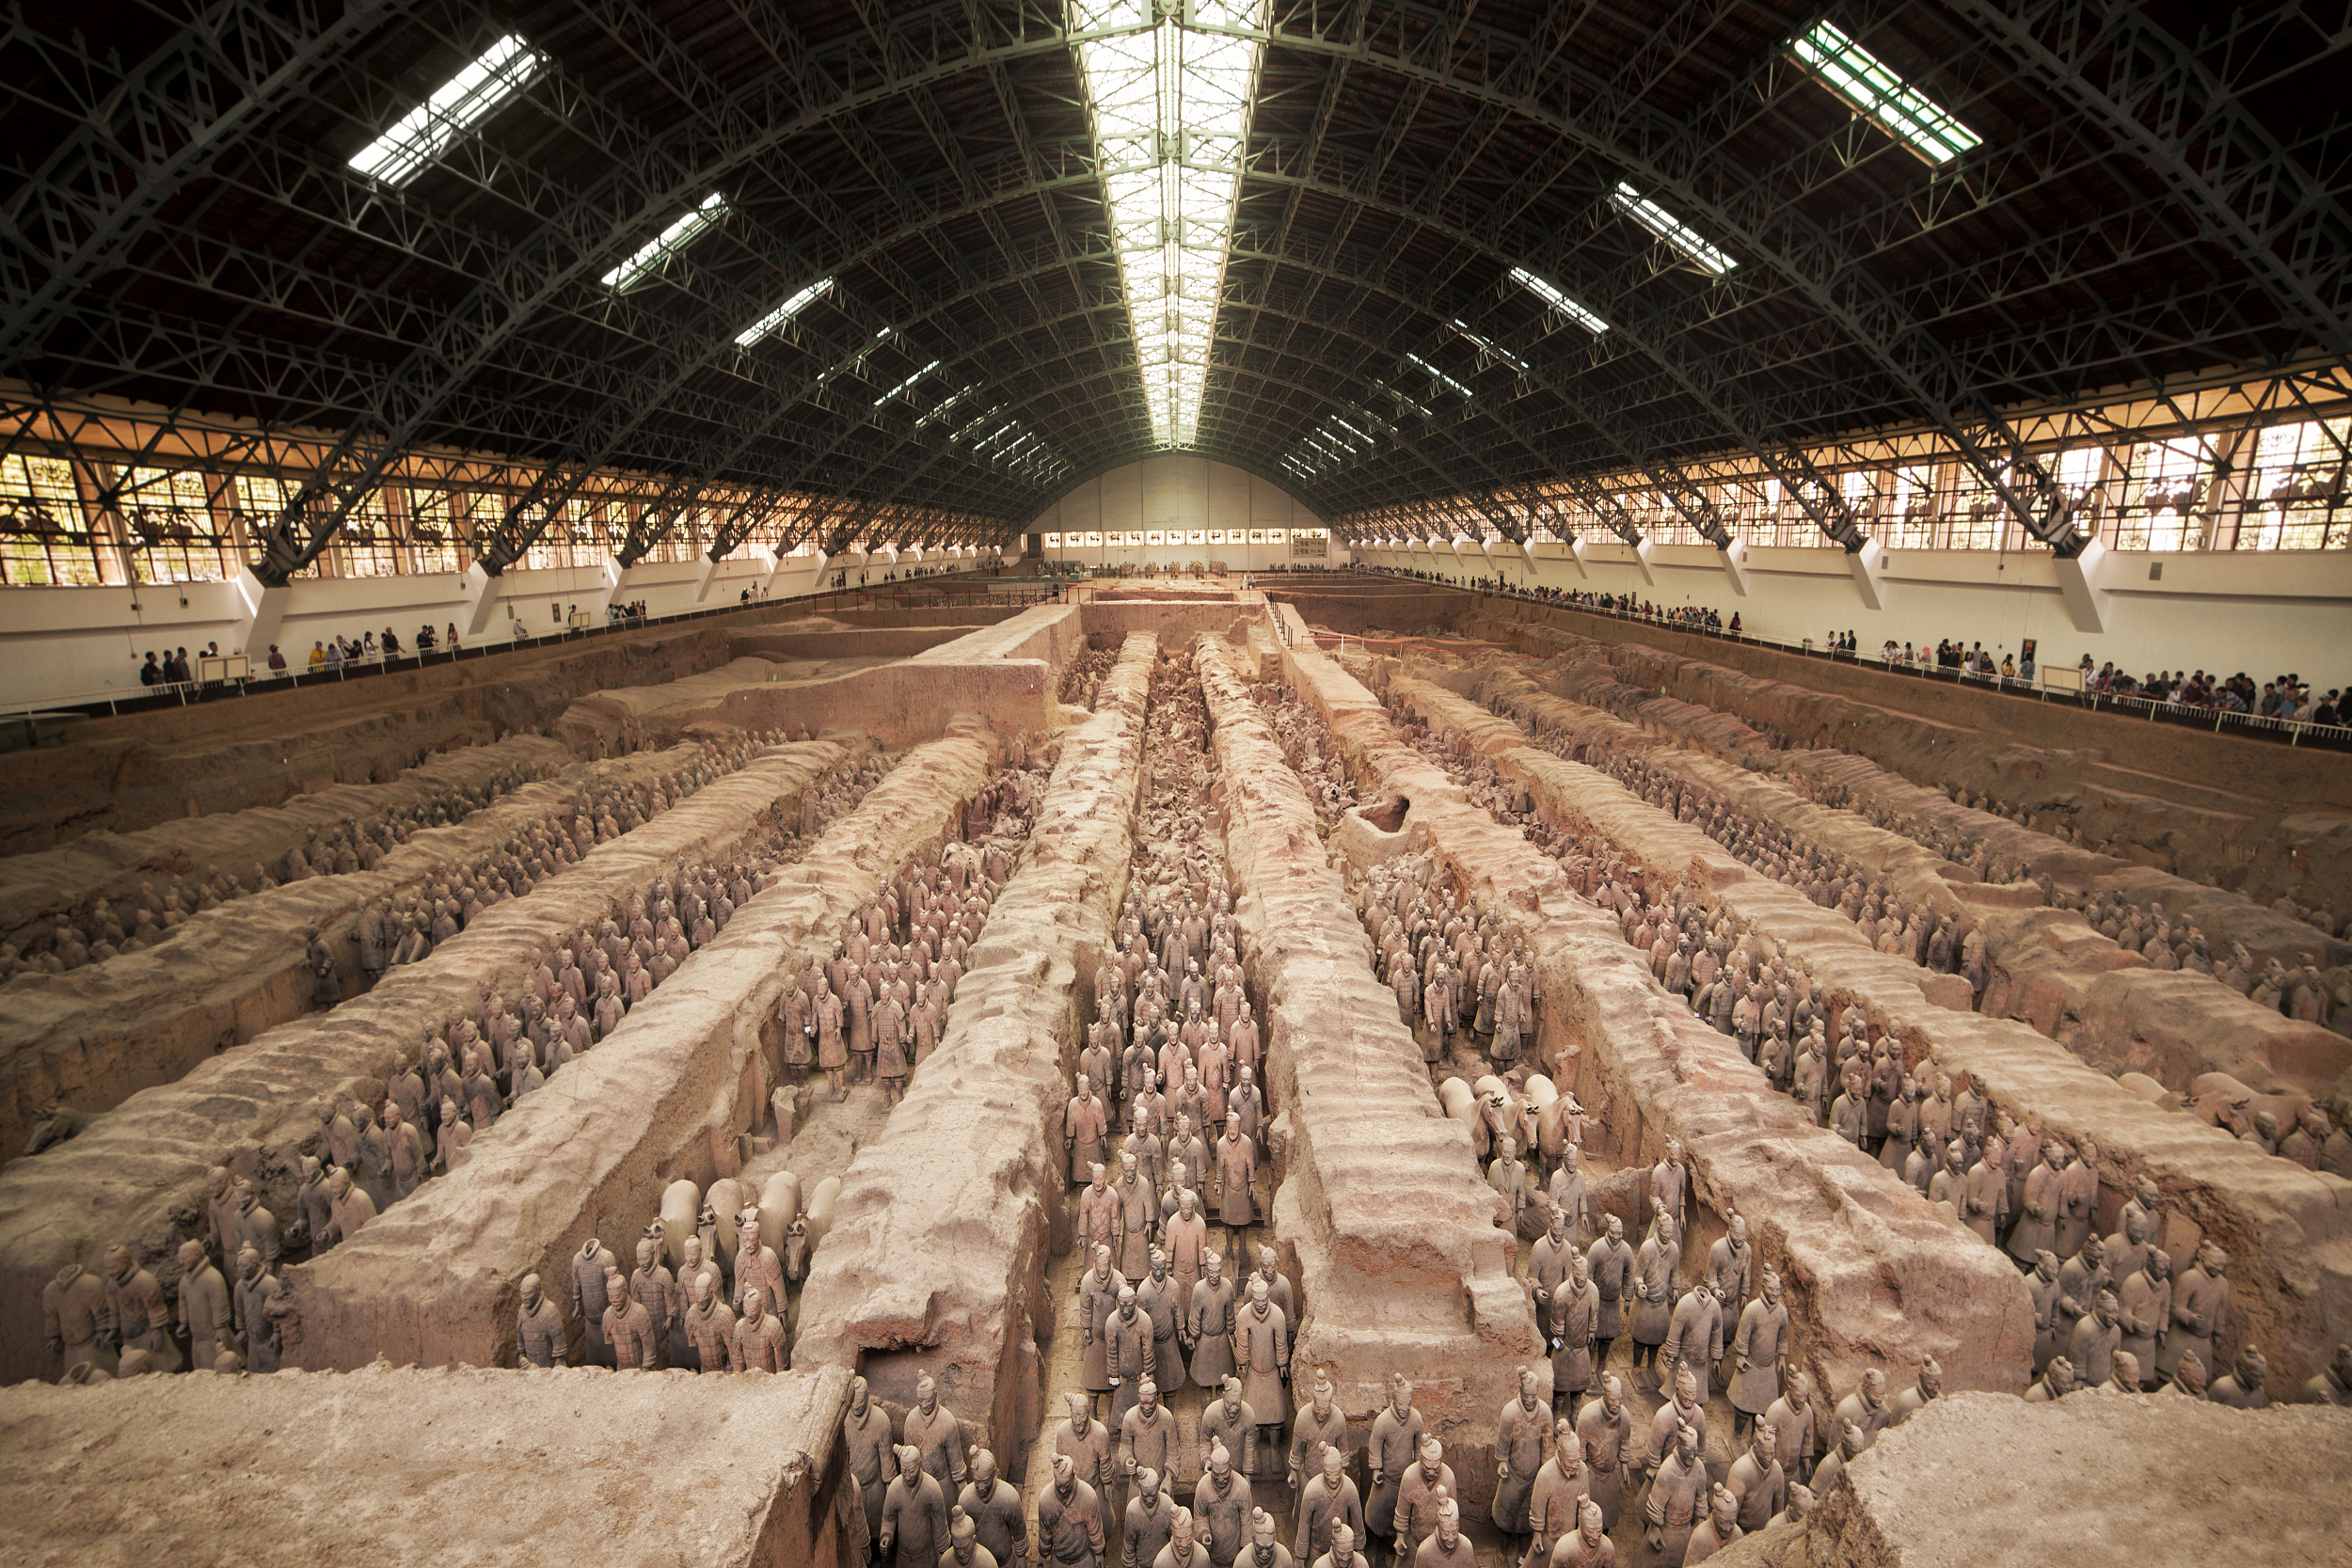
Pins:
x: 2154, y: 194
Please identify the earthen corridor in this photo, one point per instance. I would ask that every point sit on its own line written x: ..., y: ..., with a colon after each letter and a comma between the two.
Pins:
x: 872, y: 1072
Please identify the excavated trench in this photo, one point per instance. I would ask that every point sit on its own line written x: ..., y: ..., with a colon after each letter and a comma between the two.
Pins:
x: 669, y: 1096
x: 138, y: 1173
x: 2283, y: 1225
x: 92, y: 1037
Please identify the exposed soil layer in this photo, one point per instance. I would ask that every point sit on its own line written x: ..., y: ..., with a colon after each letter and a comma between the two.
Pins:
x: 302, y: 1469
x: 225, y: 755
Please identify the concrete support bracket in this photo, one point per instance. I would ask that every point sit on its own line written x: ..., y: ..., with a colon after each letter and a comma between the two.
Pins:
x: 1645, y: 557
x: 1868, y: 567
x: 260, y: 610
x: 478, y: 592
x: 2083, y: 581
x: 1735, y: 566
x: 1576, y: 548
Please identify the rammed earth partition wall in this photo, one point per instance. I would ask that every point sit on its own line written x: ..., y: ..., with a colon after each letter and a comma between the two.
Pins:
x: 92, y: 1037
x: 2047, y: 967
x: 1382, y: 1210
x: 936, y: 1259
x: 2288, y: 1230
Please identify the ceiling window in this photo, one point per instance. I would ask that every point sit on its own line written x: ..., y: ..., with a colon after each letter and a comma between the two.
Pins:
x: 455, y: 107
x: 656, y: 253
x: 1865, y: 83
x: 1558, y: 303
x: 1672, y: 229
x: 782, y: 313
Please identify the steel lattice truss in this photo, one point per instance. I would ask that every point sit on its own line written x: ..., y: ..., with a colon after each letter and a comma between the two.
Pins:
x: 2161, y: 191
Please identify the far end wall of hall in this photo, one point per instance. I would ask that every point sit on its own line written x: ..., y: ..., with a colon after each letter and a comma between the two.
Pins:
x: 2267, y: 614
x: 1181, y: 493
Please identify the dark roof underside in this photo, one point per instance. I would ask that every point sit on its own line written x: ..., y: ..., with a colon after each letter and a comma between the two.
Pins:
x: 2154, y: 197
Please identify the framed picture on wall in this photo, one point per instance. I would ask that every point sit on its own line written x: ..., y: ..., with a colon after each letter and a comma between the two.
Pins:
x: 1052, y: 541
x: 1094, y: 539
x: 1153, y: 538
x: 1197, y: 536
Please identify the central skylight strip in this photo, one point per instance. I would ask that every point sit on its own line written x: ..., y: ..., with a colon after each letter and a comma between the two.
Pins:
x: 1171, y: 112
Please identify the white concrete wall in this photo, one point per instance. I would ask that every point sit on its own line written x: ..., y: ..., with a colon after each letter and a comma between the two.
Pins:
x: 57, y: 644
x: 2262, y: 612
x: 1183, y: 493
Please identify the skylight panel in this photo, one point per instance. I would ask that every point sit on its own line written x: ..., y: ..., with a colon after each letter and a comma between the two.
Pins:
x: 907, y: 383
x: 1171, y: 110
x: 1864, y: 81
x: 455, y: 107
x: 656, y: 253
x: 1439, y: 374
x: 1672, y: 229
x: 1554, y: 299
x: 1489, y: 349
x: 953, y: 397
x: 782, y: 313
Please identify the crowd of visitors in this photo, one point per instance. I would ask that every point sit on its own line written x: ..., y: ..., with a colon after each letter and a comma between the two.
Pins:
x: 174, y: 668
x: 2287, y: 696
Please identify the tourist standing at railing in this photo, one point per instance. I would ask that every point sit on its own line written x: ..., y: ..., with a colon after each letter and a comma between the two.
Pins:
x: 152, y: 673
x: 275, y: 663
x: 392, y: 644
